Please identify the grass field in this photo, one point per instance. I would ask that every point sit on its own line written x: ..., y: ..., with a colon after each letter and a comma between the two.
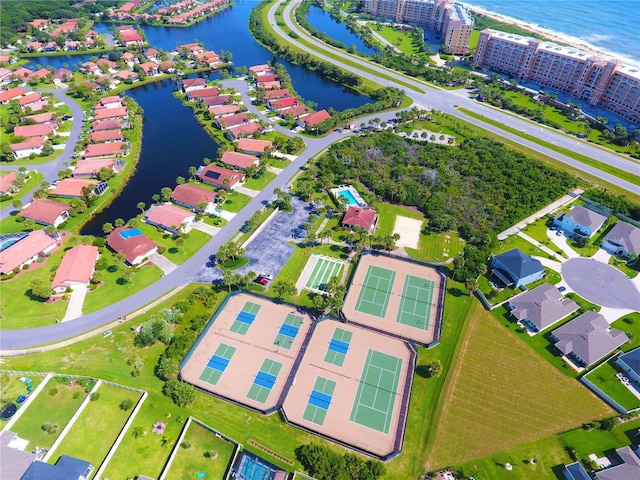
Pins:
x: 57, y: 409
x: 235, y: 201
x: 260, y: 182
x: 11, y: 387
x: 432, y: 247
x: 500, y: 389
x: 400, y: 39
x: 604, y: 377
x: 194, y: 241
x: 597, y: 441
x: 191, y: 461
x: 102, y: 415
x: 630, y: 324
x: 515, y: 241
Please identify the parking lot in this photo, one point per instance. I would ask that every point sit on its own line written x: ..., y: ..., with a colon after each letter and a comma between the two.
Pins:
x: 269, y: 250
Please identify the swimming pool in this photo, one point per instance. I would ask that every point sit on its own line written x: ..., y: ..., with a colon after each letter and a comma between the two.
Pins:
x: 9, y: 239
x: 351, y: 200
x: 250, y: 469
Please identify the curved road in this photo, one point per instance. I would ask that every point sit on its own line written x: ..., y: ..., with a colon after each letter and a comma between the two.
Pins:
x: 439, y: 99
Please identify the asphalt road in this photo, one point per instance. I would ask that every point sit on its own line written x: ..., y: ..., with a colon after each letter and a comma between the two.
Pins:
x: 442, y: 100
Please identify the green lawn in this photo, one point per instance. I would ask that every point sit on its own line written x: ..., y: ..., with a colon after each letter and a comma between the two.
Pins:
x: 473, y: 40
x: 33, y: 180
x: 102, y: 415
x: 260, y: 182
x: 194, y: 241
x: 11, y: 387
x: 57, y: 409
x: 235, y: 201
x: 401, y: 39
x: 493, y: 402
x: 191, y: 461
x: 604, y: 377
x: 387, y: 214
x: 586, y: 442
x: 538, y: 231
x: 437, y: 247
x: 515, y: 241
x: 630, y: 324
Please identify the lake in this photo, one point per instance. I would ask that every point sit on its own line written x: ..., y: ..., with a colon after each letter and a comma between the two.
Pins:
x: 323, y: 22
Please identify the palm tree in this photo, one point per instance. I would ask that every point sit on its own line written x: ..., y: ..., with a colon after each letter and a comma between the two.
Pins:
x: 141, y: 206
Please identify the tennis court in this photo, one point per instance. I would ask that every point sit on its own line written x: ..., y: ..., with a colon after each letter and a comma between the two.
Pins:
x: 245, y: 318
x: 217, y: 364
x: 415, y: 305
x: 264, y: 381
x: 319, y: 400
x: 376, y: 291
x: 373, y: 406
x: 288, y: 331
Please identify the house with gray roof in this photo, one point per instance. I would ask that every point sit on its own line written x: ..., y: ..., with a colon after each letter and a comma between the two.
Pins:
x: 629, y: 363
x: 587, y: 338
x: 538, y: 309
x: 622, y: 240
x: 625, y: 465
x: 580, y: 221
x: 66, y: 468
x: 516, y: 268
x: 15, y: 461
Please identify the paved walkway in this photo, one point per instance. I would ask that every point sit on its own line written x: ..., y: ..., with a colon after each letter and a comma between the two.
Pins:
x: 247, y: 191
x: 76, y: 300
x: 546, y: 262
x: 561, y: 241
x: 163, y: 263
x: 205, y: 227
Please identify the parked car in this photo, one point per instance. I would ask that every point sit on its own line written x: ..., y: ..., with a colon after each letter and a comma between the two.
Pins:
x: 261, y: 281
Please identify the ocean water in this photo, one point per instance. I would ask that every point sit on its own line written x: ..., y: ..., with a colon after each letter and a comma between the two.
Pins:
x: 608, y: 25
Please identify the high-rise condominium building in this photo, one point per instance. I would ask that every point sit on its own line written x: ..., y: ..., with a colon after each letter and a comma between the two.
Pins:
x: 450, y: 20
x: 602, y: 81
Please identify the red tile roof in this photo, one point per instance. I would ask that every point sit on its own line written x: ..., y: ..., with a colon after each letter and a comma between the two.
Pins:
x: 232, y: 120
x: 192, y: 195
x: 44, y: 211
x: 204, y: 92
x: 111, y: 99
x: 260, y: 68
x: 216, y: 100
x: 30, y: 246
x: 278, y: 93
x: 91, y: 167
x: 105, y: 136
x: 297, y: 111
x: 269, y: 77
x: 283, y: 103
x: 193, y: 83
x: 239, y: 160
x: 315, y: 118
x: 364, y: 217
x: 109, y: 124
x: 42, y: 117
x: 245, y: 130
x: 29, y: 98
x: 133, y: 248
x: 96, y: 150
x: 76, y: 266
x: 31, y: 142
x: 223, y: 109
x: 72, y: 187
x: 251, y: 145
x: 116, y: 112
x: 7, y: 180
x: 38, y: 130
x: 215, y: 175
x: 269, y: 85
x: 169, y: 216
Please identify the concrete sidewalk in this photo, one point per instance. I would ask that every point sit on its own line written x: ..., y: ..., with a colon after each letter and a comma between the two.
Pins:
x: 76, y: 300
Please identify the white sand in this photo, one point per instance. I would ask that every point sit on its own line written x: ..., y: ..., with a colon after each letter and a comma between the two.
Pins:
x: 409, y: 231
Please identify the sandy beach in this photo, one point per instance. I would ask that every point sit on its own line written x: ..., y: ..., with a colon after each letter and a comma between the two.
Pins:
x: 553, y: 36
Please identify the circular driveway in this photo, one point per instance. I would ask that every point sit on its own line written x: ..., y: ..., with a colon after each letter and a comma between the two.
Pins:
x: 600, y: 283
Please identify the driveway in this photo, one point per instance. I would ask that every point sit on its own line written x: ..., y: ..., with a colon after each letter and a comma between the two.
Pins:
x: 76, y: 300
x: 205, y: 227
x: 561, y: 241
x: 166, y: 265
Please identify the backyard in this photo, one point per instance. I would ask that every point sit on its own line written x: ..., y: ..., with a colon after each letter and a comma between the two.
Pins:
x: 604, y: 377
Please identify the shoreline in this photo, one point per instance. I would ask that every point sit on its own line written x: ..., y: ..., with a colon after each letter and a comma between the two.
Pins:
x: 551, y: 35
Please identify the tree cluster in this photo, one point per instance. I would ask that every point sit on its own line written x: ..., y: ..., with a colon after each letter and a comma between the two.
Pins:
x: 323, y: 463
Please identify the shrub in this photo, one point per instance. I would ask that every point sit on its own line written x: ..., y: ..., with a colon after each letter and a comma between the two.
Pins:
x: 186, y: 445
x: 94, y: 396
x: 126, y: 404
x: 53, y: 392
x: 162, y: 249
x: 182, y: 394
x: 50, y: 428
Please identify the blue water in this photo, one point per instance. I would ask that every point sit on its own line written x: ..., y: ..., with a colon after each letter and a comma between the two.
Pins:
x: 609, y: 25
x: 351, y: 200
x: 323, y: 22
x: 9, y: 239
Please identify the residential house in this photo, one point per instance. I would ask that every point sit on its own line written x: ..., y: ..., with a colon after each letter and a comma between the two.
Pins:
x: 66, y: 468
x: 110, y: 124
x: 196, y: 93
x: 254, y: 147
x: 47, y: 118
x: 259, y: 70
x: 129, y: 59
x: 243, y: 131
x: 127, y: 76
x: 46, y: 212
x: 29, y: 100
x: 516, y: 268
x: 62, y: 75
x: 39, y: 24
x: 296, y: 112
x: 540, y: 308
x: 40, y: 74
x: 190, y: 49
x: 112, y: 101
x: 104, y: 150
x: 91, y: 168
x: 216, y: 100
x: 580, y: 221
x: 587, y: 338
x: 220, y: 110
x: 15, y: 461
x: 131, y: 38
x: 5, y: 75
x: 282, y: 103
x: 51, y: 47
x: 230, y: 121
x: 239, y: 160
x: 106, y: 136
x: 168, y: 67
x: 37, y: 130
x: 73, y: 187
x: 220, y: 177
x: 622, y: 240
x: 625, y: 465
x: 189, y: 84
x: 268, y: 77
x: 76, y: 268
x: 276, y: 94
x: 209, y: 58
x: 72, y: 45
x: 170, y: 218
x: 7, y: 181
x: 629, y: 364
x: 107, y: 65
x: 22, y: 73
x: 90, y: 68
x: 132, y: 243
x: 105, y: 113
x: 273, y: 85
x: 314, y: 119
x: 35, y: 46
x: 362, y: 217
x: 190, y: 196
x: 33, y: 145
x: 151, y: 54
x: 24, y: 252
x: 150, y: 69
x: 36, y: 106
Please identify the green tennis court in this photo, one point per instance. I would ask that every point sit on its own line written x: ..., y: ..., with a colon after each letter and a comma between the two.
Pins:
x: 338, y: 347
x: 217, y: 364
x: 288, y: 331
x: 416, y: 301
x: 245, y: 318
x: 319, y: 400
x: 264, y: 381
x: 376, y: 291
x: 323, y: 271
x: 373, y: 406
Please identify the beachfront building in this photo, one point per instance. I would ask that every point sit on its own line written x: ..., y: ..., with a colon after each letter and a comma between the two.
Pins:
x: 602, y: 81
x: 451, y: 21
